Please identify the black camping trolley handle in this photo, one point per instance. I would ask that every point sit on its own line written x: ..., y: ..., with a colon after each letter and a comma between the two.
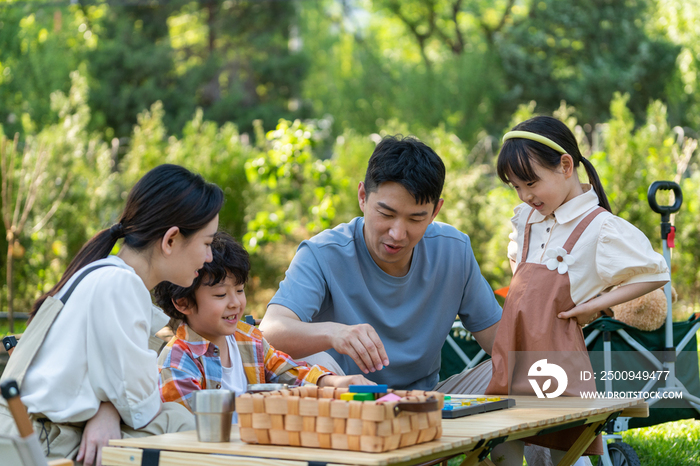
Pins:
x: 665, y: 210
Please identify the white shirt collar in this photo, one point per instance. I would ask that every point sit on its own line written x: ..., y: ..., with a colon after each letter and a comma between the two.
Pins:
x: 571, y: 209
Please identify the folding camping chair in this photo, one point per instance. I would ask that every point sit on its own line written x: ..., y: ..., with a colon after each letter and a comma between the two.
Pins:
x: 625, y: 349
x: 24, y: 450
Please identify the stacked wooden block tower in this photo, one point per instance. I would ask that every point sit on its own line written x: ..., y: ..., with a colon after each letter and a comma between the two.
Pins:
x: 316, y: 417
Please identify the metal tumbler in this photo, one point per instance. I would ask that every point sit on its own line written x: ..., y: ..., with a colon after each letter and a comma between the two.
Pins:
x: 213, y: 410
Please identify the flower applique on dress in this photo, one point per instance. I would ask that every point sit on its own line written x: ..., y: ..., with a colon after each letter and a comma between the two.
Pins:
x: 559, y: 259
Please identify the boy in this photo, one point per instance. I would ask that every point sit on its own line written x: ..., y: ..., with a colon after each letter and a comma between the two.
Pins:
x: 212, y: 348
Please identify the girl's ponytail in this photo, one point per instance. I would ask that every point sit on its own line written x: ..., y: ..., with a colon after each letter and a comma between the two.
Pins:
x: 545, y: 139
x: 597, y: 185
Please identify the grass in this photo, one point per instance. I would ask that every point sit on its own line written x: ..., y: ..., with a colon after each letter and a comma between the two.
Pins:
x: 670, y: 444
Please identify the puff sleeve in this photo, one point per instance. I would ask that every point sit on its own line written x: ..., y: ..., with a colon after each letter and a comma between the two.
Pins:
x: 624, y: 255
x: 513, y: 246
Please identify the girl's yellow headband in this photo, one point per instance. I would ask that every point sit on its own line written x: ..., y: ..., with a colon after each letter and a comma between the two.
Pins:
x: 534, y: 137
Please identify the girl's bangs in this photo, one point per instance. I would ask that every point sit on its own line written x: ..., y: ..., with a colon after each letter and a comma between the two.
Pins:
x: 514, y: 159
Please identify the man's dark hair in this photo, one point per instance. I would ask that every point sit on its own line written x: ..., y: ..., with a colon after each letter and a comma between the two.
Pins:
x: 409, y: 162
x: 229, y: 259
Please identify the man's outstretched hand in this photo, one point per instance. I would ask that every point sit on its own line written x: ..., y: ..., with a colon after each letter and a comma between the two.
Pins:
x: 363, y: 345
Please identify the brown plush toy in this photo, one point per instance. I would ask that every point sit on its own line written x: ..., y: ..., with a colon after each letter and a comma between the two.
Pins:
x: 648, y: 312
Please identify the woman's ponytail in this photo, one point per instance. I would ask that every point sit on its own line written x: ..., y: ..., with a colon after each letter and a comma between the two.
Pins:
x: 166, y: 196
x: 597, y: 185
x: 97, y: 248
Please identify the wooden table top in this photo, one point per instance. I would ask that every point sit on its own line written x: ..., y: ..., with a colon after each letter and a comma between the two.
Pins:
x: 529, y: 416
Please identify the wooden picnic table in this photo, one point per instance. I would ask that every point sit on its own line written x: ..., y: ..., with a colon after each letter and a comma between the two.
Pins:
x: 474, y: 436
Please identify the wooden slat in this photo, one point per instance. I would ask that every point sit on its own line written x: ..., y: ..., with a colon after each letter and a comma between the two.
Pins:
x: 459, y: 435
x: 636, y: 411
x: 132, y: 457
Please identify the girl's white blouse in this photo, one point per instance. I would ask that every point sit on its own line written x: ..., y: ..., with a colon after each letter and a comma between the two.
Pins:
x: 97, y: 350
x: 610, y: 252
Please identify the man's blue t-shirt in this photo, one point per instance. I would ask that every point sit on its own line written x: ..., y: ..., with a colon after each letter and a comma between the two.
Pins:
x: 333, y: 278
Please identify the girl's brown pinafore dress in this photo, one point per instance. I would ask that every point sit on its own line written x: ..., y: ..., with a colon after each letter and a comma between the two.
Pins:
x: 531, y: 331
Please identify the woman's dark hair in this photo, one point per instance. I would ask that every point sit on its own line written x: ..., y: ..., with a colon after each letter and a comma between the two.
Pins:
x: 229, y: 259
x: 516, y: 154
x: 166, y: 196
x: 409, y: 162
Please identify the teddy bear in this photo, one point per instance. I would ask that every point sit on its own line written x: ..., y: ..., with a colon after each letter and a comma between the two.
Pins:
x: 648, y: 312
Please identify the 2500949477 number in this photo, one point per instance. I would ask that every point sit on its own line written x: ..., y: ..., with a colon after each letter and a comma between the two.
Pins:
x: 624, y: 375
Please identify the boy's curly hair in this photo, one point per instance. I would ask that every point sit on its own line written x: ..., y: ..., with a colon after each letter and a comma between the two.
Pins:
x: 229, y: 259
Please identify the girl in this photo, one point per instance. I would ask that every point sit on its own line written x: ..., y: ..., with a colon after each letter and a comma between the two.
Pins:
x: 566, y: 248
x: 89, y: 376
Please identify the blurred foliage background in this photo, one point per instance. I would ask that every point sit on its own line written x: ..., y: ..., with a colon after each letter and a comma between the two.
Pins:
x: 281, y: 102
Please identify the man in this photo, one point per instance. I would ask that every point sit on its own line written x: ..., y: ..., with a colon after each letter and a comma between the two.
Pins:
x: 381, y: 293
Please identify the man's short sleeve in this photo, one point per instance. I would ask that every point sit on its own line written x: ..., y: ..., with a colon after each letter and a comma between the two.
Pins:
x: 304, y: 288
x: 479, y: 309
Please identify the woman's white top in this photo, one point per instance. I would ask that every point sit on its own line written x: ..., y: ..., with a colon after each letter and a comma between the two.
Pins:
x: 97, y: 350
x: 611, y: 251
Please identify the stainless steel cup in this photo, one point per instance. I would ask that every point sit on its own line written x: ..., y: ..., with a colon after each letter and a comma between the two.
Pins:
x: 213, y: 410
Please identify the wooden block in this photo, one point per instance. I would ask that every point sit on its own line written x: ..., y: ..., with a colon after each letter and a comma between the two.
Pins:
x: 355, y: 409
x: 369, y: 428
x: 258, y: 403
x: 310, y: 439
x: 293, y: 423
x: 295, y: 439
x: 354, y: 427
x: 340, y: 391
x: 244, y: 404
x: 371, y: 444
x: 438, y: 433
x: 277, y: 421
x: 339, y: 426
x: 327, y: 392
x: 339, y: 442
x: 426, y: 435
x: 308, y: 407
x: 324, y: 425
x: 404, y: 424
x: 295, y: 391
x: 308, y: 424
x: 434, y: 418
x: 262, y: 421
x: 245, y: 420
x: 373, y: 412
x: 324, y: 407
x: 248, y: 435
x: 384, y: 428
x: 340, y: 409
x: 392, y: 442
x: 293, y: 405
x: 285, y: 393
x: 401, y: 393
x: 354, y: 442
x: 275, y: 405
x: 419, y: 421
x: 263, y: 436
x: 408, y: 439
x: 279, y: 437
x: 324, y: 440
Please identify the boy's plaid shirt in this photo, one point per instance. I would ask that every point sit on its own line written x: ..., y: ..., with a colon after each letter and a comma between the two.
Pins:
x: 189, y: 363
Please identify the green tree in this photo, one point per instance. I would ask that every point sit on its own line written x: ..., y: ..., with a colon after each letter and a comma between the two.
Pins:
x: 583, y: 52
